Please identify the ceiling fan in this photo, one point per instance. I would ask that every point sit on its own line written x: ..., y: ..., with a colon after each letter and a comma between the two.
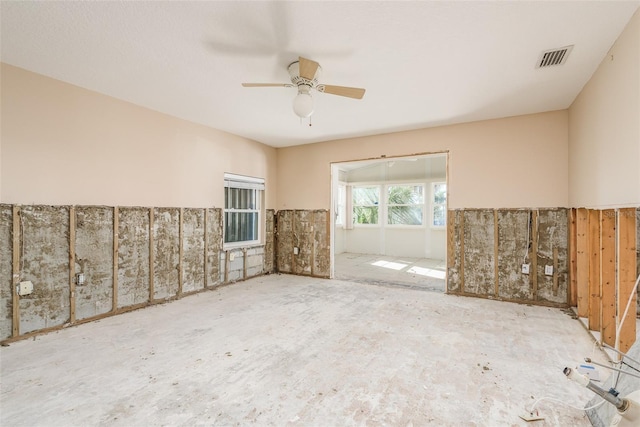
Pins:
x: 304, y: 75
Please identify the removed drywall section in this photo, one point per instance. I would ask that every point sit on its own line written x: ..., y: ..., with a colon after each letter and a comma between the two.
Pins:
x: 166, y: 252
x: 6, y: 255
x: 479, y: 258
x: 284, y: 241
x: 94, y: 260
x: 214, y: 247
x: 513, y: 237
x: 552, y: 246
x: 192, y: 250
x: 321, y: 244
x: 269, y: 245
x: 455, y: 248
x: 44, y: 262
x: 133, y: 256
x: 302, y: 242
x: 513, y: 251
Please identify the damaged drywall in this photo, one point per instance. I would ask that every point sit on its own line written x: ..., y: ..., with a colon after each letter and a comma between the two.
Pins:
x: 6, y: 256
x: 45, y: 263
x: 479, y: 252
x: 513, y: 251
x: 166, y: 252
x: 133, y: 256
x: 269, y: 244
x: 478, y: 238
x: 214, y: 247
x: 94, y: 260
x: 87, y: 262
x: 552, y: 252
x: 193, y: 250
x: 302, y: 244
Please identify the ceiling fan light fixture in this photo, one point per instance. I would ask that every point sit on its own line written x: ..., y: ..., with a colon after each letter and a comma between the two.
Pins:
x: 303, y: 105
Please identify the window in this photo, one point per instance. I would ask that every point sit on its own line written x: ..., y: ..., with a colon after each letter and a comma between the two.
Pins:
x: 366, y: 200
x: 341, y: 204
x: 439, y: 204
x: 405, y: 204
x: 242, y: 207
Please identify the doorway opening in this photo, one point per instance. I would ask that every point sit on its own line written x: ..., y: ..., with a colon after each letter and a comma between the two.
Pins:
x: 389, y: 223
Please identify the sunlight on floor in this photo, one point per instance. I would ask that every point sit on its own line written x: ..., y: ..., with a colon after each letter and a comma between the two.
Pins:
x: 436, y: 274
x: 389, y: 264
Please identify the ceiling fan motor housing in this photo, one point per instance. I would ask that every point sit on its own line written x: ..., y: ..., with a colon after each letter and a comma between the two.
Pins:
x: 304, y: 85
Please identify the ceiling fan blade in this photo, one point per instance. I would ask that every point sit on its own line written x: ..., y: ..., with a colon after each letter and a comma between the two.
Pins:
x: 349, y: 92
x: 307, y: 68
x: 267, y: 85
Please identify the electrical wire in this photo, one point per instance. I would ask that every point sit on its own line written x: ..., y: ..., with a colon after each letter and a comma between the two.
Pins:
x: 553, y: 399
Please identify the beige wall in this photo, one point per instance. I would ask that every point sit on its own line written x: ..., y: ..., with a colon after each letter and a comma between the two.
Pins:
x: 604, y: 129
x: 62, y: 144
x: 506, y: 163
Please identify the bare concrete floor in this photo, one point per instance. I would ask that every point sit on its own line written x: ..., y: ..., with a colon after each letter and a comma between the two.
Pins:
x: 422, y: 273
x: 292, y: 351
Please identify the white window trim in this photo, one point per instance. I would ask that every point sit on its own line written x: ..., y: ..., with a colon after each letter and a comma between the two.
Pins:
x: 245, y: 182
x: 379, y: 206
x: 423, y: 204
x: 434, y: 204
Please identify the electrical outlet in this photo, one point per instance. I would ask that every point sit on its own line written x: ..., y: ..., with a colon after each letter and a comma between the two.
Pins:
x: 296, y: 250
x: 79, y: 279
x: 548, y: 270
x: 525, y: 268
x: 232, y: 256
x: 25, y: 288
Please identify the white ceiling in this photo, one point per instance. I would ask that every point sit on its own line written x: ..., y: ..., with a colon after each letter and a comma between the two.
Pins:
x: 423, y: 63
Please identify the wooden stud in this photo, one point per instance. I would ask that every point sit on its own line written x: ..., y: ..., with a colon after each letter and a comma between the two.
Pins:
x: 244, y: 263
x: 495, y: 253
x: 608, y: 276
x: 462, y: 251
x: 533, y: 272
x: 16, y: 235
x: 72, y: 264
x: 555, y: 271
x: 181, y: 251
x: 572, y: 295
x: 313, y: 245
x: 595, y: 291
x: 152, y: 290
x: 115, y: 258
x: 327, y: 232
x: 582, y: 261
x: 626, y: 277
x: 206, y: 249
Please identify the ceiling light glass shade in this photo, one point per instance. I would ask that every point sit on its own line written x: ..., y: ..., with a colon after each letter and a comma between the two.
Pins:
x: 303, y: 105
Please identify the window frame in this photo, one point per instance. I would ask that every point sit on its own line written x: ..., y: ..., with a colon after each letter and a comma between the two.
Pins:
x: 435, y: 204
x: 388, y: 205
x: 233, y: 181
x: 341, y: 205
x: 377, y: 206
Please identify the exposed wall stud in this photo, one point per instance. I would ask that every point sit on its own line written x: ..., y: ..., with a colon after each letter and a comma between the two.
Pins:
x: 181, y: 251
x: 627, y: 277
x: 116, y: 219
x: 72, y: 264
x: 595, y: 292
x: 496, y: 252
x: 608, y: 276
x: 572, y: 294
x: 461, y: 251
x: 16, y: 273
x: 534, y: 254
x: 152, y: 291
x: 206, y: 249
x: 582, y: 262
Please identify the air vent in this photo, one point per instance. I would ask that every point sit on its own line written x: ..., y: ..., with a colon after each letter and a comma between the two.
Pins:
x: 554, y: 57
